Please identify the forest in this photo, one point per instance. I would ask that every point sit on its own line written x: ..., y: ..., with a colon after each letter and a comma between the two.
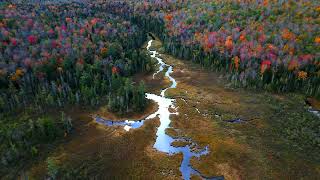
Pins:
x: 52, y: 57
x: 63, y: 61
x: 259, y: 44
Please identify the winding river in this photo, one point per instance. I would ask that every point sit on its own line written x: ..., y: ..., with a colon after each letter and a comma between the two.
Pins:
x: 163, y: 141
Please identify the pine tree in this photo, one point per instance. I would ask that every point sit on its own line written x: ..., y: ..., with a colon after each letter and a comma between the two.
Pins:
x: 141, y: 96
x: 128, y: 89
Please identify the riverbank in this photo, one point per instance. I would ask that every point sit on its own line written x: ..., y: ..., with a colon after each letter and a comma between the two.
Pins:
x: 207, y: 107
x: 166, y: 109
x: 244, y: 129
x: 94, y: 150
x: 104, y: 113
x: 104, y: 151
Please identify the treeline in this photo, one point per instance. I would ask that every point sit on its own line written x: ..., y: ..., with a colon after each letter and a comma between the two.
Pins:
x: 82, y: 83
x: 278, y: 79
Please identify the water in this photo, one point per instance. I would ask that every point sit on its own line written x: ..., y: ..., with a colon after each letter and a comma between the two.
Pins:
x: 237, y: 120
x: 315, y: 112
x: 164, y: 141
x: 127, y: 124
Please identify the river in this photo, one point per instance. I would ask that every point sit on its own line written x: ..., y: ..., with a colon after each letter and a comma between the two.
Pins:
x: 163, y: 141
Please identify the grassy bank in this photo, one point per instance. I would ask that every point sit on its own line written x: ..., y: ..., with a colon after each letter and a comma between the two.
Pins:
x: 277, y: 137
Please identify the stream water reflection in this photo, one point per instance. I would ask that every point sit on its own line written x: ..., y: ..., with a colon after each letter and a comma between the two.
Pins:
x: 163, y: 141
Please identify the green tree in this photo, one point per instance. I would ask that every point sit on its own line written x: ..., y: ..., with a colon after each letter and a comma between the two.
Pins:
x: 140, y: 97
x: 115, y: 50
x: 128, y: 90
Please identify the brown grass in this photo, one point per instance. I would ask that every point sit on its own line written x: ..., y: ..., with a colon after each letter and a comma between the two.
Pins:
x: 237, y: 151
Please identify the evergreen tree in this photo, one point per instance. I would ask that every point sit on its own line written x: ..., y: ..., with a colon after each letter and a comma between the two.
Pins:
x: 128, y: 91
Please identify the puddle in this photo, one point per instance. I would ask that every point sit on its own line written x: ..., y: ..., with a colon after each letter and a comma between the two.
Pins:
x: 127, y: 124
x: 315, y: 112
x: 237, y: 120
x: 164, y: 141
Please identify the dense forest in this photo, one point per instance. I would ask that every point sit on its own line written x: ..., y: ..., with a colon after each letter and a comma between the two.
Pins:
x: 259, y: 44
x: 58, y: 60
x: 58, y: 55
x: 84, y: 54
